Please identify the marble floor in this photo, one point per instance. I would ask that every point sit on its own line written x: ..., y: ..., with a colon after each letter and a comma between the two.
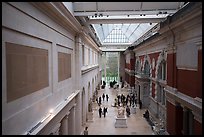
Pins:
x: 136, y: 124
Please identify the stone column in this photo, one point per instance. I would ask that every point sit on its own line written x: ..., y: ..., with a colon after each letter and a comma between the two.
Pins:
x: 64, y: 126
x: 55, y: 130
x: 78, y: 62
x: 191, y: 125
x: 71, y: 121
x: 185, y: 121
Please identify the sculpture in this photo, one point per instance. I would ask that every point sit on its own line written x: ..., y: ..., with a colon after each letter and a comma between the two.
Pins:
x: 121, y: 112
x: 90, y: 106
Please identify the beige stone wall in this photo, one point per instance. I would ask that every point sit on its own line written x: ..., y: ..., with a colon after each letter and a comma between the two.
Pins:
x: 52, y: 54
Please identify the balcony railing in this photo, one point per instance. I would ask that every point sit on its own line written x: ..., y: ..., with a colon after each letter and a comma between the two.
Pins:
x: 142, y: 75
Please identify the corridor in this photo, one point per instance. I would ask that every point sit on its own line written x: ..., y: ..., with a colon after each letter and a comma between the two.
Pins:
x: 56, y: 55
x: 136, y: 124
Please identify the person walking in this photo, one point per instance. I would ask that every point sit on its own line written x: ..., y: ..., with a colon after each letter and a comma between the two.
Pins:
x: 107, y: 97
x: 100, y: 112
x: 103, y: 96
x: 104, y: 111
x: 99, y: 101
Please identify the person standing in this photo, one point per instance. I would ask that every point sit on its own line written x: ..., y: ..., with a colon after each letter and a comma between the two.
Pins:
x: 100, y: 112
x: 86, y: 131
x: 128, y: 111
x: 140, y: 104
x: 97, y: 100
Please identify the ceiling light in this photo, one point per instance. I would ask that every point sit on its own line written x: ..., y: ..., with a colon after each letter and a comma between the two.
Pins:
x: 95, y: 15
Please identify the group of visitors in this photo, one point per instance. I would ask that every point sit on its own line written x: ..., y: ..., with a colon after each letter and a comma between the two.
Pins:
x: 105, y: 109
x: 102, y: 112
x: 112, y: 83
x: 98, y: 99
x: 122, y: 100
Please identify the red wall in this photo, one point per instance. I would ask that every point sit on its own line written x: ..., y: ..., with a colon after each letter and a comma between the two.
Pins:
x: 197, y: 128
x: 171, y: 69
x: 132, y: 64
x: 171, y: 118
x: 187, y: 82
x: 174, y: 119
x: 132, y: 81
x: 127, y: 65
x: 199, y: 82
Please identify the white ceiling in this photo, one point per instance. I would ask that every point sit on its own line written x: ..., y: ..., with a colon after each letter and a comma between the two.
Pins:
x: 113, y: 8
x: 132, y: 19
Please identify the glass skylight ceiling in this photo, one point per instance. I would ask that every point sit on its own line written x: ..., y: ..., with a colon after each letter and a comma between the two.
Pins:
x: 122, y: 33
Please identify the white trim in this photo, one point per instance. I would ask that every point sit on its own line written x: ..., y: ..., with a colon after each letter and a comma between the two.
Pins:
x: 185, y: 68
x: 151, y: 52
x: 130, y: 72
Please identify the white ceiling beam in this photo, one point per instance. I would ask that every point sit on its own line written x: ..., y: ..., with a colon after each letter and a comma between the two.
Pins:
x: 112, y: 49
x: 125, y: 21
x: 115, y: 13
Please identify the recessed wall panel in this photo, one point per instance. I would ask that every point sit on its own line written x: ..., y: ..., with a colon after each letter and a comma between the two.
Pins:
x: 64, y: 66
x: 26, y: 70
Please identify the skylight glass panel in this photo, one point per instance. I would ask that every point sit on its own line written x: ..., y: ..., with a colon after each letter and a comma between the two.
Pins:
x: 121, y: 33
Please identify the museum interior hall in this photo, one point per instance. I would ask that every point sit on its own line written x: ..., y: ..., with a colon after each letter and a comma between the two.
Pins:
x: 101, y: 68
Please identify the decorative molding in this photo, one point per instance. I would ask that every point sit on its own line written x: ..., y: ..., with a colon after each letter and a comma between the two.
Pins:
x: 162, y: 56
x: 171, y: 49
x: 147, y: 58
x: 130, y: 72
x: 153, y: 63
x: 61, y: 13
x: 156, y: 91
x: 198, y: 101
x: 55, y: 112
x: 197, y: 116
x: 90, y: 68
